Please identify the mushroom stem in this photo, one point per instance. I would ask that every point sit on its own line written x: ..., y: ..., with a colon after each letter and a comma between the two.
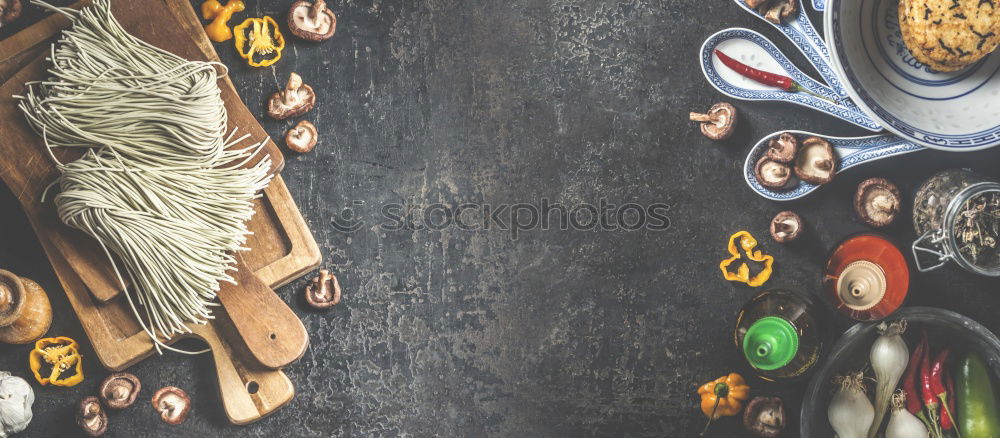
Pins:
x: 699, y: 117
x: 317, y: 8
x: 294, y: 83
x: 824, y: 164
x: 5, y: 298
x: 884, y: 203
x: 785, y: 226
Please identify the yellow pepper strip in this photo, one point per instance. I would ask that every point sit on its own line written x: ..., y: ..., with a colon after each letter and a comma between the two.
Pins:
x: 62, y: 354
x: 263, y: 38
x: 218, y: 30
x: 747, y: 243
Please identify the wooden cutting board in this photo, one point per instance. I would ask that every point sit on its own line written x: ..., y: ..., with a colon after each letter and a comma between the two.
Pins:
x: 282, y: 248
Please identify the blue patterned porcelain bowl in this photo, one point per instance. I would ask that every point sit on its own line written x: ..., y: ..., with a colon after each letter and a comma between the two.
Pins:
x: 956, y: 111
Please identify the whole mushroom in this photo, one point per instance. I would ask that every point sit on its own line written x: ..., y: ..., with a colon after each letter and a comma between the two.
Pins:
x: 772, y: 174
x: 173, y: 404
x: 303, y: 137
x: 294, y: 100
x: 312, y: 21
x: 323, y: 291
x: 91, y: 418
x: 25, y: 312
x: 783, y: 147
x: 877, y: 201
x: 10, y: 10
x: 777, y: 11
x: 765, y: 417
x: 119, y: 390
x: 719, y: 123
x: 786, y: 226
x: 815, y: 162
x: 16, y: 398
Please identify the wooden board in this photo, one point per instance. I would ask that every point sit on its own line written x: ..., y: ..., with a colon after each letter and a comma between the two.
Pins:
x: 282, y: 249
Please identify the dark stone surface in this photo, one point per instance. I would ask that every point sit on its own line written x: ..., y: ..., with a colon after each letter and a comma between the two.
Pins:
x: 556, y: 333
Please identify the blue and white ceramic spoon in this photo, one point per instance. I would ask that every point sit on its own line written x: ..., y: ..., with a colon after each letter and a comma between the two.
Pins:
x: 803, y: 34
x: 850, y: 152
x: 819, y: 5
x: 757, y: 51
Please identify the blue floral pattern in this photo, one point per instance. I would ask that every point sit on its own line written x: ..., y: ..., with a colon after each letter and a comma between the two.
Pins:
x: 850, y: 151
x: 846, y: 110
x: 819, y: 5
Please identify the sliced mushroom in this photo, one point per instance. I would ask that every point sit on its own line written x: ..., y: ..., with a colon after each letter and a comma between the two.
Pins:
x: 303, y: 137
x: 786, y: 226
x: 877, y: 201
x: 719, y: 123
x: 173, y: 404
x: 119, y: 390
x: 777, y: 11
x: 312, y: 21
x: 772, y: 174
x: 10, y: 10
x: 323, y: 291
x: 294, y: 100
x: 765, y: 417
x: 783, y: 147
x: 815, y: 162
x: 25, y: 312
x: 90, y: 416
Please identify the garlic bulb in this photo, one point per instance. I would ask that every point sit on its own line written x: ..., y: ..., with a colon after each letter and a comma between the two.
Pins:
x: 16, y: 398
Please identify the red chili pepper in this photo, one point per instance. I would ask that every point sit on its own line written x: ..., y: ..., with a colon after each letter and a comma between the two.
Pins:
x: 910, y: 379
x: 767, y: 78
x: 950, y: 386
x: 926, y: 387
x: 938, y: 387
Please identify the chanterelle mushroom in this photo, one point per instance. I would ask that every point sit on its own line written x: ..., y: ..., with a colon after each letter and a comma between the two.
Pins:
x: 91, y: 417
x: 772, y: 174
x: 719, y: 123
x: 119, y: 390
x: 25, y: 312
x: 783, y: 148
x: 786, y: 226
x: 815, y: 163
x: 765, y: 417
x: 9, y: 10
x: 877, y: 201
x: 172, y: 403
x: 303, y: 137
x: 312, y: 21
x: 323, y: 291
x: 294, y: 100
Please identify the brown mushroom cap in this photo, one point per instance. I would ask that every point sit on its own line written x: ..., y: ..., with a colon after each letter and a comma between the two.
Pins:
x: 754, y: 4
x: 10, y: 10
x: 172, y: 403
x: 119, y: 390
x: 877, y: 201
x: 303, y: 137
x: 783, y: 147
x: 815, y: 162
x: 719, y: 123
x: 765, y: 417
x: 312, y: 21
x: 777, y: 10
x: 786, y: 226
x: 25, y: 312
x: 772, y: 174
x: 294, y: 100
x: 91, y: 418
x: 323, y: 291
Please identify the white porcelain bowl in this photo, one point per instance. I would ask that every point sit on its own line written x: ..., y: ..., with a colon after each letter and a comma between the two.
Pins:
x: 958, y: 111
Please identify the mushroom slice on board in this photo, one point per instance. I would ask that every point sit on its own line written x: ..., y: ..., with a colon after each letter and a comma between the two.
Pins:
x: 312, y: 21
x: 877, y: 201
x: 719, y: 123
x: 815, y: 162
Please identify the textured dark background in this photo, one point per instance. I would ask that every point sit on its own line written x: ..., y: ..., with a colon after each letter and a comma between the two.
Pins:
x: 559, y: 332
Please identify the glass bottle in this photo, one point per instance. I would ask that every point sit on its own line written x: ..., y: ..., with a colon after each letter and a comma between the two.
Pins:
x: 945, y: 206
x: 866, y: 278
x: 779, y: 333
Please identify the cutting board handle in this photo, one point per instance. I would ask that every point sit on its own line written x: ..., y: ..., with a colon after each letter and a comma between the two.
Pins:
x: 248, y: 391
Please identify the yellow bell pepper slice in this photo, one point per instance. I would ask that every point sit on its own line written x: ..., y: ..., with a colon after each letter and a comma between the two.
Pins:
x: 259, y: 38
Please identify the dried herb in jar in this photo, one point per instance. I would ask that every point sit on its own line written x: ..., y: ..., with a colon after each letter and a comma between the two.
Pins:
x: 977, y: 229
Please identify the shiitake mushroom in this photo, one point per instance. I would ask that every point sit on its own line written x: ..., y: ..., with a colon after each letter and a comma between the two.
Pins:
x: 119, y: 390
x: 772, y: 174
x: 719, y: 123
x: 173, y: 404
x: 786, y: 226
x: 765, y: 417
x: 783, y: 147
x: 877, y: 201
x: 91, y: 417
x: 815, y: 162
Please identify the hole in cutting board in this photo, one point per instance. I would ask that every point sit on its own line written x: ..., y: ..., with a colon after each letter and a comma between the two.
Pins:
x: 252, y: 387
x: 273, y: 336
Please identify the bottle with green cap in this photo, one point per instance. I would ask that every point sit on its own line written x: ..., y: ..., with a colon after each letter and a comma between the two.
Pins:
x: 778, y: 333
